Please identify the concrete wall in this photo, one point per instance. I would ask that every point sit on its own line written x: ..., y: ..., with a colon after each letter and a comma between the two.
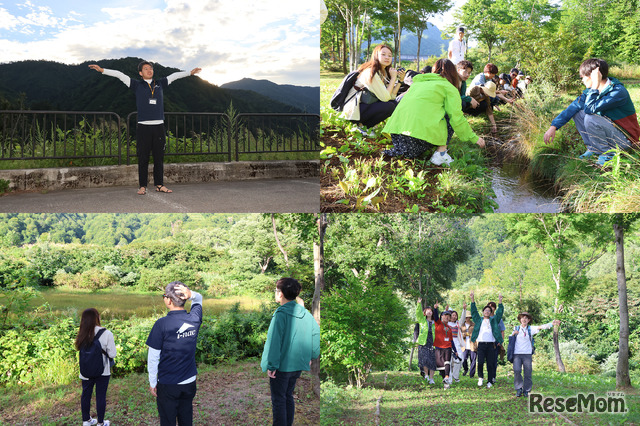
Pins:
x: 103, y: 176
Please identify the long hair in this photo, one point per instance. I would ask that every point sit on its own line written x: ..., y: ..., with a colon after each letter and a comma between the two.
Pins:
x: 425, y: 315
x: 374, y: 63
x: 90, y: 318
x: 446, y: 69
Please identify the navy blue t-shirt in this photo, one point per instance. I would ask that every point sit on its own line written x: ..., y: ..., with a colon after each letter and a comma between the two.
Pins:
x: 175, y: 335
x: 148, y: 110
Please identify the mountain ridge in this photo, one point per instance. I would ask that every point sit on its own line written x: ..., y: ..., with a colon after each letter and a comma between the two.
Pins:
x: 48, y: 85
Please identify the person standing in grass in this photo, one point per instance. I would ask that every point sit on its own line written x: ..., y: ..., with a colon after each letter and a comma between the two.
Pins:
x: 89, y: 331
x: 470, y: 348
x: 604, y: 114
x: 487, y: 334
x: 293, y: 340
x: 524, y: 350
x: 428, y: 115
x: 150, y: 133
x: 457, y: 344
x: 172, y: 355
x: 426, y: 351
x: 442, y: 343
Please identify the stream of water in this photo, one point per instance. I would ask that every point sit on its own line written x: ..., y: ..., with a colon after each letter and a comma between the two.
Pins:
x: 516, y: 192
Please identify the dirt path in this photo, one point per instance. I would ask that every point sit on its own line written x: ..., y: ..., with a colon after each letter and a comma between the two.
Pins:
x: 234, y: 394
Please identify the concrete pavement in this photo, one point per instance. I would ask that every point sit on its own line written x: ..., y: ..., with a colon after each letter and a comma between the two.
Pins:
x: 293, y: 195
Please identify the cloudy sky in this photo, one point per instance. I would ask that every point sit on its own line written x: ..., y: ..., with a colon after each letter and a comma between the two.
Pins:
x: 229, y: 40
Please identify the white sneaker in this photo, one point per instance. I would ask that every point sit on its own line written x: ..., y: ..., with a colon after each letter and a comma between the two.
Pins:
x: 439, y: 158
x: 106, y: 423
x: 480, y: 381
x: 488, y: 385
x: 90, y: 422
x: 432, y: 382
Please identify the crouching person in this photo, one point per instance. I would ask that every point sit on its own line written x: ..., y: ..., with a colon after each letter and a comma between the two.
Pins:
x: 604, y: 114
x: 293, y: 340
x: 172, y: 355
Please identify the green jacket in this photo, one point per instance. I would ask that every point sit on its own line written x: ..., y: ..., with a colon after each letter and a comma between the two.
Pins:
x: 421, y: 112
x: 494, y: 321
x: 424, y: 326
x: 293, y: 339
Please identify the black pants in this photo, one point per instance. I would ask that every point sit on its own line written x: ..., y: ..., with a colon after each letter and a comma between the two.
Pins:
x: 282, y: 403
x: 487, y: 352
x: 472, y: 355
x: 377, y: 112
x: 176, y: 402
x: 151, y: 140
x: 101, y: 383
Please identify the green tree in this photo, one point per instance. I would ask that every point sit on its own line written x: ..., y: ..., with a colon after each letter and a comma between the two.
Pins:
x: 621, y: 223
x: 353, y: 342
x: 418, y: 13
x: 561, y: 237
x: 482, y: 19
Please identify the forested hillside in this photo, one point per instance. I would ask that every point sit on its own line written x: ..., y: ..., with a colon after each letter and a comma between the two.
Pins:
x: 44, y: 85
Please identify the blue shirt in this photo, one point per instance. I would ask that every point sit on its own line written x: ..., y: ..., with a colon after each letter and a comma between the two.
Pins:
x: 175, y: 335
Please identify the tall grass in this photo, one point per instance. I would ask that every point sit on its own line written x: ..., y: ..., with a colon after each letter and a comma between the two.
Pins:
x: 614, y: 188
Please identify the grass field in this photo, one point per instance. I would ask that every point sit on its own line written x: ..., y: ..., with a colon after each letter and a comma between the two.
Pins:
x: 402, y: 398
x: 228, y: 394
x: 121, y: 303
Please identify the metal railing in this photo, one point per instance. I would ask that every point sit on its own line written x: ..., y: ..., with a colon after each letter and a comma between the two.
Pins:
x: 40, y: 135
x: 266, y: 133
x: 190, y: 133
x: 37, y: 135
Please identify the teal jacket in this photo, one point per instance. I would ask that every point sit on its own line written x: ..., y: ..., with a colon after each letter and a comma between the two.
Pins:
x: 293, y: 340
x: 421, y: 112
x: 613, y: 102
x: 494, y: 321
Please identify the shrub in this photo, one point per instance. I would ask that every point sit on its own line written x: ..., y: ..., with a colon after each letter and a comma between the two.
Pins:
x: 352, y: 343
x: 45, y: 353
x: 233, y: 335
x: 608, y: 366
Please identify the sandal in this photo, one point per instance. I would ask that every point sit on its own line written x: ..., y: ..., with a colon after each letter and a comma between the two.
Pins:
x: 162, y: 188
x: 142, y: 190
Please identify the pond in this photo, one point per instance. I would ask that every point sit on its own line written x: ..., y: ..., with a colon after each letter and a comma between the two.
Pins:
x: 517, y: 192
x: 121, y: 304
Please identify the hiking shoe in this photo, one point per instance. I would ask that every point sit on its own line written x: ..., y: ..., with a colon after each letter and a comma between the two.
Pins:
x: 603, y: 158
x: 525, y: 394
x: 519, y: 393
x: 446, y: 385
x: 90, y: 422
x: 587, y: 154
x: 439, y: 158
x: 480, y: 381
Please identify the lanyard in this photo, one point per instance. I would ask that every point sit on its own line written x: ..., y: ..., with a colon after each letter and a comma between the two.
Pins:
x: 152, y: 88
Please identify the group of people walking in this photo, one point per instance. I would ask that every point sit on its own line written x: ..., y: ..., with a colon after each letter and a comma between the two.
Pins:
x: 423, y: 110
x: 448, y: 343
x: 293, y: 340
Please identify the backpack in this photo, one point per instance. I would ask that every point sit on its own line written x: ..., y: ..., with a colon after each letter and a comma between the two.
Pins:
x: 91, y: 361
x: 512, y: 344
x: 339, y: 98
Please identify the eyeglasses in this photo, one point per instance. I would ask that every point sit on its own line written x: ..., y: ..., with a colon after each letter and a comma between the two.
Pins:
x: 164, y: 295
